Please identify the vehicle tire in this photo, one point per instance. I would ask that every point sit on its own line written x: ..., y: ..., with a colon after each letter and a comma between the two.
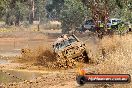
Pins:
x: 81, y: 80
x: 85, y: 56
x: 130, y: 29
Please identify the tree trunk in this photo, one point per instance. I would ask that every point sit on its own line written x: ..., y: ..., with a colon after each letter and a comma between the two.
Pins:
x: 17, y: 21
x: 7, y: 21
x: 106, y: 15
x: 31, y: 14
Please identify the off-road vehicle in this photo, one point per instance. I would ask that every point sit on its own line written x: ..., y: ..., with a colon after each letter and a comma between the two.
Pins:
x: 69, y: 50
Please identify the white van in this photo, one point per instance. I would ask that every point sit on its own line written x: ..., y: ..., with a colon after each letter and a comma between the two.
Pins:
x: 113, y: 22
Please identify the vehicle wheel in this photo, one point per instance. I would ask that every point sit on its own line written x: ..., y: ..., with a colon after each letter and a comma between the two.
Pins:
x: 130, y: 29
x: 85, y: 56
x: 81, y: 80
x: 65, y: 63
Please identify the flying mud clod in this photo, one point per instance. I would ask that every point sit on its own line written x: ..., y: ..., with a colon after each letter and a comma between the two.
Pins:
x: 69, y: 50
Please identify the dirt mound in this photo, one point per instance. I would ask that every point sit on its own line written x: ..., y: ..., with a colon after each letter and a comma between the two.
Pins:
x: 47, y: 58
x: 40, y: 56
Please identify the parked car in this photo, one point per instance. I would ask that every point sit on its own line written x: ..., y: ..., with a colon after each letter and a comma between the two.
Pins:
x: 89, y: 24
x: 113, y: 23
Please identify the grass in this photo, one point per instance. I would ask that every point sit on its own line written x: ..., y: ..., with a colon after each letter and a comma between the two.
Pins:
x: 118, y: 59
x: 112, y: 55
x: 27, y: 27
x: 119, y: 54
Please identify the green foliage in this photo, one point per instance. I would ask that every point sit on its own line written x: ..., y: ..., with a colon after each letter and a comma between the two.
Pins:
x: 22, y: 8
x: 122, y: 28
x: 72, y: 15
x: 119, y: 3
x: 70, y: 12
x: 122, y: 9
x: 13, y: 11
x: 3, y: 5
x: 40, y: 12
x: 54, y: 8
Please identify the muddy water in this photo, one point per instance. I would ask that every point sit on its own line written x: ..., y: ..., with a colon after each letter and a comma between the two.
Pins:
x: 22, y: 74
x: 2, y: 61
x: 9, y: 53
x: 5, y: 78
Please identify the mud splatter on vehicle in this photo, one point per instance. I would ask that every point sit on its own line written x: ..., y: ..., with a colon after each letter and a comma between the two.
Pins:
x: 69, y: 50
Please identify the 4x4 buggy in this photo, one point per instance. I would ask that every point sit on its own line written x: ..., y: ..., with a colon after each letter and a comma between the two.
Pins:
x: 69, y: 50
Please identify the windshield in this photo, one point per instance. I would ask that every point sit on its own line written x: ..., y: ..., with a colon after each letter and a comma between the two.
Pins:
x: 90, y: 22
x: 65, y: 43
x: 71, y: 39
x: 114, y: 21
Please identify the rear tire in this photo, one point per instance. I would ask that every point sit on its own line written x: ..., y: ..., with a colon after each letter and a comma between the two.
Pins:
x: 85, y: 56
x: 130, y: 29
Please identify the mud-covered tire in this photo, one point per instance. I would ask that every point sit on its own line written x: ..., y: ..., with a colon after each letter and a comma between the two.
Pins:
x: 81, y: 80
x: 130, y: 29
x: 85, y: 57
x: 65, y: 63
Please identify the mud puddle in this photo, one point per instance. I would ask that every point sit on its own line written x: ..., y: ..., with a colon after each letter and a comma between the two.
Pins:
x: 24, y: 75
x: 10, y: 53
x: 2, y: 61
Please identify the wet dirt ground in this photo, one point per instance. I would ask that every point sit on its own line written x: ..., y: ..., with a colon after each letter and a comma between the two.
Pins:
x: 11, y: 45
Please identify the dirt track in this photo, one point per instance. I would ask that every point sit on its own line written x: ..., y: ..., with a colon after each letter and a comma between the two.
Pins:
x: 64, y: 79
x: 11, y: 43
x: 55, y: 80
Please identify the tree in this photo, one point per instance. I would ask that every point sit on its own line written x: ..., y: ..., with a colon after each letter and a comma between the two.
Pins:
x: 125, y: 7
x: 11, y: 11
x: 53, y: 8
x: 31, y: 11
x: 14, y: 11
x: 40, y: 10
x: 101, y: 10
x: 72, y: 15
x: 5, y: 8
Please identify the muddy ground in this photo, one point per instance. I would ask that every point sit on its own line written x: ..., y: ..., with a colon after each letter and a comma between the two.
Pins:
x: 115, y: 60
